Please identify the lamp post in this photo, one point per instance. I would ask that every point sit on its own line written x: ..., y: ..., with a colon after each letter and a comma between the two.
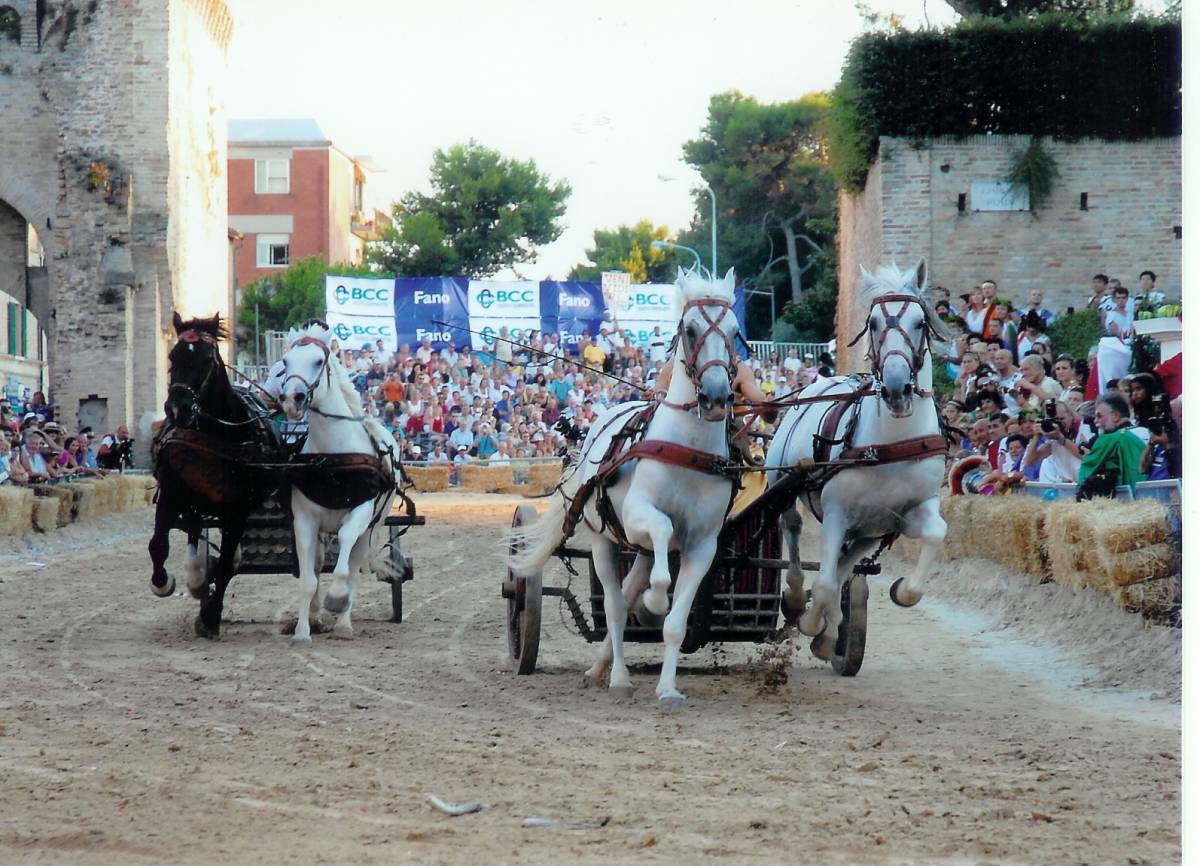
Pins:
x: 713, y: 198
x: 667, y: 245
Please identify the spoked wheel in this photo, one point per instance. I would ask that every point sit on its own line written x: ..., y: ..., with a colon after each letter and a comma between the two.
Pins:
x: 852, y: 633
x: 524, y: 594
x: 405, y: 566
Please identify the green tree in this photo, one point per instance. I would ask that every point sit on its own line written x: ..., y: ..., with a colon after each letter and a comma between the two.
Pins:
x: 293, y: 296
x: 627, y: 248
x: 777, y: 205
x: 1025, y: 8
x: 486, y: 213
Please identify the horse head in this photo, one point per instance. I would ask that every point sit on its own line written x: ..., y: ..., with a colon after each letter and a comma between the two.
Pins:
x: 706, y: 340
x: 306, y: 368
x: 195, y: 361
x: 899, y: 326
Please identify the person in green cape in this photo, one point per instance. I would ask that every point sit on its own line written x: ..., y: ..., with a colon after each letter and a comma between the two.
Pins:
x: 1115, y: 456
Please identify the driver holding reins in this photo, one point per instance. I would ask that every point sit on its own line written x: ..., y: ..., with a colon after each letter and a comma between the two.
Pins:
x: 746, y: 392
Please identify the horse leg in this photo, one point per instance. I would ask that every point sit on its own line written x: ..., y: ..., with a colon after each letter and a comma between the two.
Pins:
x: 208, y: 622
x: 305, y: 525
x: 825, y: 643
x: 639, y: 512
x: 826, y: 609
x: 196, y: 568
x: 604, y: 559
x: 926, y: 523
x: 635, y: 581
x: 693, y: 565
x: 161, y: 583
x: 353, y: 543
x: 794, y: 599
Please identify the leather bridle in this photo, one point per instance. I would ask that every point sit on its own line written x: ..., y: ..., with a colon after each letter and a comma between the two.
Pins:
x: 915, y: 357
x: 691, y: 349
x: 191, y: 337
x: 310, y: 387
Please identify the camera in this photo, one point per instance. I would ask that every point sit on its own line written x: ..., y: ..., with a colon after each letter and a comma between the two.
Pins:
x: 1160, y: 420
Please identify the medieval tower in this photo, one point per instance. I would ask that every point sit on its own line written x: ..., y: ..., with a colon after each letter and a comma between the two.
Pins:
x: 113, y: 151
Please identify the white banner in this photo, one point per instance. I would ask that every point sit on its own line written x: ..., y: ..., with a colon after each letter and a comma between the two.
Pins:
x: 649, y: 302
x: 354, y: 332
x: 640, y: 333
x: 359, y: 296
x: 503, y: 300
x: 488, y: 328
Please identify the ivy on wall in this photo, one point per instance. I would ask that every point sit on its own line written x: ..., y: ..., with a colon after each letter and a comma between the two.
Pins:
x: 1035, y: 168
x: 1054, y: 76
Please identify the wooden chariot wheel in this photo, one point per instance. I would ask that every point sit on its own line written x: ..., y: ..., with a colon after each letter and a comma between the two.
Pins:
x: 852, y: 633
x: 524, y: 596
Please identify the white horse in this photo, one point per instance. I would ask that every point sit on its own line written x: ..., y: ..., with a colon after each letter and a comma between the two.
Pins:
x: 659, y: 503
x: 347, y: 490
x: 888, y: 485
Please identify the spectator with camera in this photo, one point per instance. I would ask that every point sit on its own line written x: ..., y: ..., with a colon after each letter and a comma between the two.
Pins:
x: 1053, y: 456
x: 116, y: 450
x: 1115, y: 456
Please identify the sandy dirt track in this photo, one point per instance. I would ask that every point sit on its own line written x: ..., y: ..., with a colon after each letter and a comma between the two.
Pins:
x: 125, y: 739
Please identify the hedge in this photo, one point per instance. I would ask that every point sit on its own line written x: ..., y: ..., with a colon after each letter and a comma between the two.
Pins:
x: 1115, y: 79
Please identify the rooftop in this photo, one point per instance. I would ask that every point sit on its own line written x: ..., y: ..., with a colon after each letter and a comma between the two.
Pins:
x: 294, y: 131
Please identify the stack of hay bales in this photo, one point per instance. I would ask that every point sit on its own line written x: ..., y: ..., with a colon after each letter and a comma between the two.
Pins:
x: 16, y: 510
x: 62, y: 514
x: 480, y: 478
x: 543, y: 477
x: 429, y: 479
x: 1131, y: 545
x: 45, y: 513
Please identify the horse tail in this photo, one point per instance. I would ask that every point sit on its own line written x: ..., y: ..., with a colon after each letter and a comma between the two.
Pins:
x: 534, y: 543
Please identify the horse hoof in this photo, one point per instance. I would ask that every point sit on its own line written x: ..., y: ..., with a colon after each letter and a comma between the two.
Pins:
x: 620, y: 693
x: 790, y: 614
x: 646, y: 617
x: 811, y: 623
x: 204, y: 630
x: 671, y: 702
x: 166, y: 590
x: 336, y: 603
x: 821, y: 648
x: 893, y: 592
x: 199, y: 592
x: 343, y: 632
x: 300, y: 642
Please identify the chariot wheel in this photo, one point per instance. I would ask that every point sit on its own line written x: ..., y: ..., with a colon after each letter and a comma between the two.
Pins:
x: 524, y: 595
x: 852, y: 633
x: 403, y: 572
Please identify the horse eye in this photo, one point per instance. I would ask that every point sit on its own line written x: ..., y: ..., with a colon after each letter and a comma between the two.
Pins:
x: 874, y: 324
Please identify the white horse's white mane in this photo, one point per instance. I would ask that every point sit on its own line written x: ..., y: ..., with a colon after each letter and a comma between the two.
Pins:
x: 888, y: 279
x: 697, y: 283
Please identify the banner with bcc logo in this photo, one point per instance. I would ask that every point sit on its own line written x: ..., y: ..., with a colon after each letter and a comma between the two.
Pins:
x: 359, y: 296
x: 354, y: 332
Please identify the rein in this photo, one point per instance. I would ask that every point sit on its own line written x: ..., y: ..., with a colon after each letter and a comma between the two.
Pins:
x: 692, y: 348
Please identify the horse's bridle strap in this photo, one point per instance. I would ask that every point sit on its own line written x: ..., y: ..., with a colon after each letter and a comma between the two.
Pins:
x: 896, y: 452
x: 692, y: 347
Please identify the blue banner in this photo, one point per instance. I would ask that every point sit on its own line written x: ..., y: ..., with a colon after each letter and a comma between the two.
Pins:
x: 422, y: 301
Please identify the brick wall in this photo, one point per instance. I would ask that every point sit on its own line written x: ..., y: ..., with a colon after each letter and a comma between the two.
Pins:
x: 1134, y: 202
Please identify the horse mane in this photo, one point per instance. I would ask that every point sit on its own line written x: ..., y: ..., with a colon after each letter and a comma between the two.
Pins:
x: 696, y: 283
x: 211, y: 326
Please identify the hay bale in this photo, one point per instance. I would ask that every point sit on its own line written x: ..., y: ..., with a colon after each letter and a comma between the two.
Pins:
x: 520, y: 490
x: 1157, y: 598
x: 16, y: 510
x: 1066, y: 543
x: 85, y: 499
x: 1152, y: 562
x: 62, y: 495
x: 45, y: 513
x: 151, y: 490
x: 480, y: 478
x: 105, y: 494
x: 429, y: 479
x: 132, y: 491
x: 1121, y: 527
x: 544, y: 476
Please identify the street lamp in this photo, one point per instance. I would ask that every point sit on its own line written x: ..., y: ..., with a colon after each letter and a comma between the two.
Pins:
x: 667, y: 245
x: 713, y: 196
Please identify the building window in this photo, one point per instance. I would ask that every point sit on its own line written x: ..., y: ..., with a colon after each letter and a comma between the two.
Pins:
x: 271, y: 176
x: 272, y: 251
x: 357, y: 204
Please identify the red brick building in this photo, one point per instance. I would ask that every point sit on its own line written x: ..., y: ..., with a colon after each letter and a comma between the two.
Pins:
x: 293, y: 194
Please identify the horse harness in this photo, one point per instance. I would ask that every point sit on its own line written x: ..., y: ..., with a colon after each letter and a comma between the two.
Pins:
x: 626, y: 445
x: 891, y: 322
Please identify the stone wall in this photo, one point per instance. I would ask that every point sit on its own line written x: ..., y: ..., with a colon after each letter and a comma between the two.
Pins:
x: 110, y: 156
x: 910, y: 209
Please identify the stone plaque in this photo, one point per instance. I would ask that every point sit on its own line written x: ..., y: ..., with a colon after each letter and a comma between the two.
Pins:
x: 999, y: 195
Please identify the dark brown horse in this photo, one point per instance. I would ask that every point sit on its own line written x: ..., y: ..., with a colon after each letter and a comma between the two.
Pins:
x: 208, y: 461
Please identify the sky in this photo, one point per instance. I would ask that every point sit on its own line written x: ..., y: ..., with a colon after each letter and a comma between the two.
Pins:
x: 602, y: 95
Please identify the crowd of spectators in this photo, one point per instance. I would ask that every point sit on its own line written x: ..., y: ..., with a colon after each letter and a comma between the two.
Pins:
x: 37, y: 449
x: 1036, y: 414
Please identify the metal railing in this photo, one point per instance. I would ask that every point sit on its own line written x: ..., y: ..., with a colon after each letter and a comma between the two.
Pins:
x: 762, y: 349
